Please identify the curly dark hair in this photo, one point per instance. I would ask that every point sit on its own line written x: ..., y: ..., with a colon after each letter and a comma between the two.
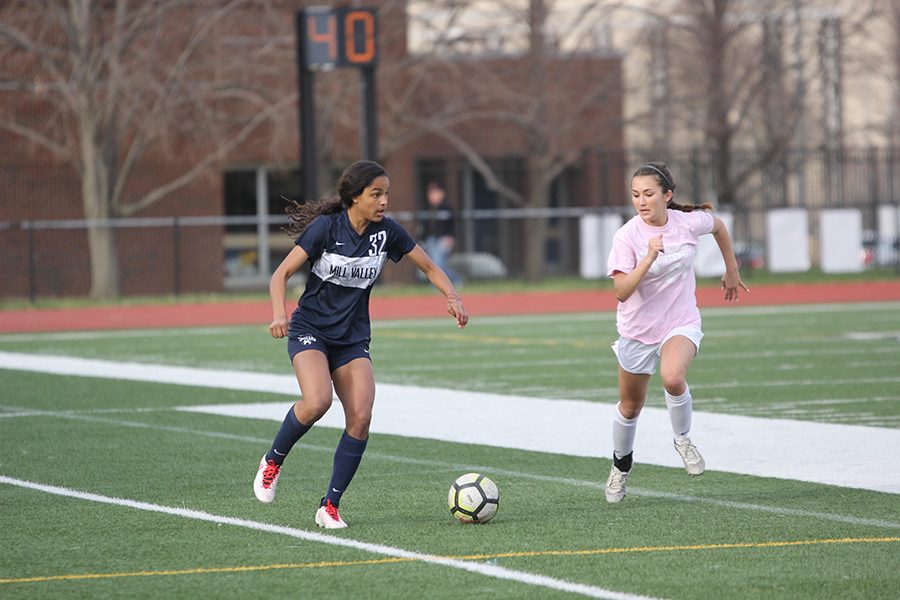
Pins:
x: 355, y: 178
x: 667, y: 182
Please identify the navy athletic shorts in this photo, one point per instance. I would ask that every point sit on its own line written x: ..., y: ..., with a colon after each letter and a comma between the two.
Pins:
x: 338, y: 354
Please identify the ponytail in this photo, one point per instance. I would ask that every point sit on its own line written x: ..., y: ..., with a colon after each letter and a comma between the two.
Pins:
x: 301, y: 215
x: 688, y: 207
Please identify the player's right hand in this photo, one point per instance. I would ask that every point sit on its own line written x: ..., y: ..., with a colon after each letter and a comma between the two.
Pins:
x: 279, y: 327
x: 655, y: 246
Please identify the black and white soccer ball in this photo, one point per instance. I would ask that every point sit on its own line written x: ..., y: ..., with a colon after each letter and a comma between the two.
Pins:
x: 473, y: 498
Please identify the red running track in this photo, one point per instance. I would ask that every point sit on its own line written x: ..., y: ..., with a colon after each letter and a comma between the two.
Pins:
x: 429, y: 305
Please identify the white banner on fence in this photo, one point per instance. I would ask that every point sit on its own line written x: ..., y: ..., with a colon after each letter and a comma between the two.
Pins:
x: 787, y: 243
x: 888, y: 230
x: 840, y: 241
x: 708, y: 261
x: 596, y: 232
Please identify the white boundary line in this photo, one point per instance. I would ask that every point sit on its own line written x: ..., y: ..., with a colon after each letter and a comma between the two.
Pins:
x: 805, y: 451
x: 472, y: 567
x: 459, y: 467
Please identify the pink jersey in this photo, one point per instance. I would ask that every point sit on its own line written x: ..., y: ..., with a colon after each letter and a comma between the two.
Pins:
x: 665, y: 298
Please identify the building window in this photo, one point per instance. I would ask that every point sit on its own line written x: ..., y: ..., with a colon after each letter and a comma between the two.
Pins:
x: 254, y: 242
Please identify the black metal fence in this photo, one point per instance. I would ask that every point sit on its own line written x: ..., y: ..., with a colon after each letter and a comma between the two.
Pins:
x: 865, y: 179
x: 821, y: 178
x: 180, y: 255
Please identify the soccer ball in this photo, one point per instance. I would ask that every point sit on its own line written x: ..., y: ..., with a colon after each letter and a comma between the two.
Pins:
x: 473, y: 498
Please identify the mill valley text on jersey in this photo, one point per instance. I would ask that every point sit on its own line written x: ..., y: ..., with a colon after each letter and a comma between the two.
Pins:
x: 358, y: 272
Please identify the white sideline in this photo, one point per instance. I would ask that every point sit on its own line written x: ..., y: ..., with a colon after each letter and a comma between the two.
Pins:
x: 842, y: 455
x: 312, y: 536
x: 596, y: 484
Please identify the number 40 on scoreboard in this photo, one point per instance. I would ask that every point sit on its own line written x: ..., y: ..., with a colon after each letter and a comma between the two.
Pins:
x: 338, y: 37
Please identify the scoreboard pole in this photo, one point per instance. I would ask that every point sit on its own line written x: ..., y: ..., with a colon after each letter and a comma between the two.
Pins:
x: 328, y: 38
x: 369, y: 134
x: 307, y: 108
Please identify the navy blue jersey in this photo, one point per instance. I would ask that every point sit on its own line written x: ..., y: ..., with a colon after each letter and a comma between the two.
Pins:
x: 343, y: 268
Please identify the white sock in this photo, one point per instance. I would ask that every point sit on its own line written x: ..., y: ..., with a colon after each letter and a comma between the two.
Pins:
x: 623, y: 434
x: 680, y: 411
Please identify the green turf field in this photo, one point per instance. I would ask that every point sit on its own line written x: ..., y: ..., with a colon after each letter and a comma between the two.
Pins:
x: 107, y: 491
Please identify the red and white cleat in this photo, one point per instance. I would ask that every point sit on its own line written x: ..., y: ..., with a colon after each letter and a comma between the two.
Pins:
x: 266, y: 480
x: 328, y: 517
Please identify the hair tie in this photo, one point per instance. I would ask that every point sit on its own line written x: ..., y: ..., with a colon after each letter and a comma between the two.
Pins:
x: 661, y: 174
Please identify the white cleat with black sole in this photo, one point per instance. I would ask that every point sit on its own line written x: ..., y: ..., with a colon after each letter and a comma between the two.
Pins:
x: 693, y: 462
x: 615, y: 485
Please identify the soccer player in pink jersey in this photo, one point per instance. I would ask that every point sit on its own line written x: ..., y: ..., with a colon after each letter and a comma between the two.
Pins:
x: 651, y: 263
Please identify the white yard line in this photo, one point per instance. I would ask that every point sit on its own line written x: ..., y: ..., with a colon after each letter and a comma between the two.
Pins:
x: 464, y: 467
x: 842, y: 455
x: 487, y: 570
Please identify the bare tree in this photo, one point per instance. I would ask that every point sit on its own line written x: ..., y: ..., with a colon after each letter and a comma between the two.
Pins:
x: 106, y: 85
x: 748, y: 75
x: 894, y: 129
x: 733, y: 74
x: 892, y: 69
x: 507, y: 69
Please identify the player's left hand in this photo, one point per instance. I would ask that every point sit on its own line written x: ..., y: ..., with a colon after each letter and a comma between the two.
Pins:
x: 456, y: 309
x: 731, y: 283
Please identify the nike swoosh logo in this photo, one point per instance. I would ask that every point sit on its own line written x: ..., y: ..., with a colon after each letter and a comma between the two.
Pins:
x: 278, y: 453
x: 339, y: 243
x: 336, y: 490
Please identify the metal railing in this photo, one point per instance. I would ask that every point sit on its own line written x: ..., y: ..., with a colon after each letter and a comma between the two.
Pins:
x: 181, y: 255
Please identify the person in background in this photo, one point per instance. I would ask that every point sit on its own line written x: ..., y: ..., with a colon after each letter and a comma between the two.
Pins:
x: 347, y: 242
x: 658, y: 322
x: 438, y: 229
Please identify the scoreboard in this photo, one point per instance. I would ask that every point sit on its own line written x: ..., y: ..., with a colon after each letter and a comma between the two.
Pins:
x: 338, y: 37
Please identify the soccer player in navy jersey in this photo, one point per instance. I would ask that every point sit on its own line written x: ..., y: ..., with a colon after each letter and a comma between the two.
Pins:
x: 347, y: 242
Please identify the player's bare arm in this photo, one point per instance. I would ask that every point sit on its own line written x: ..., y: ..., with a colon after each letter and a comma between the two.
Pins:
x: 731, y: 280
x: 439, y: 279
x: 278, y: 289
x: 624, y: 284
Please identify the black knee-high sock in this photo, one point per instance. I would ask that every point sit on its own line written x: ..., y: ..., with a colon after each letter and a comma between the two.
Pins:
x: 346, y: 460
x: 291, y: 431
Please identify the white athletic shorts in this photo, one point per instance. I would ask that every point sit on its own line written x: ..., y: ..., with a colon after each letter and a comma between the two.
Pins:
x: 637, y: 357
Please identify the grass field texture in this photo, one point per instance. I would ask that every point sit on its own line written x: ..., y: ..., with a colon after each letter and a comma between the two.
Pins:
x: 108, y: 491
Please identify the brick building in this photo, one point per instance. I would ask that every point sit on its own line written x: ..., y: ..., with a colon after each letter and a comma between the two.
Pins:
x: 171, y: 245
